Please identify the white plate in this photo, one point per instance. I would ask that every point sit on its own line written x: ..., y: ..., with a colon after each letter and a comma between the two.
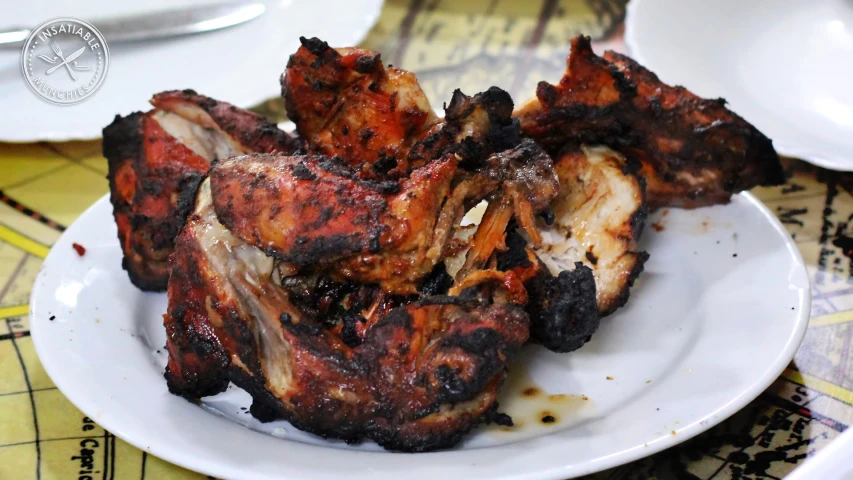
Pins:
x: 784, y: 65
x: 704, y: 333
x: 240, y: 65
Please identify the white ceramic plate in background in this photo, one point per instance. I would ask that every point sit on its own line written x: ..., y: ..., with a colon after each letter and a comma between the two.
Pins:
x: 784, y: 65
x: 834, y: 462
x: 717, y: 315
x: 240, y: 65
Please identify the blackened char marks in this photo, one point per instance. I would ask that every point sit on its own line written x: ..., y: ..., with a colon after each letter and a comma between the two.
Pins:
x: 516, y: 252
x: 314, y: 45
x: 437, y: 282
x: 301, y: 172
x: 153, y: 175
x: 693, y: 151
x: 636, y: 270
x: 316, y: 249
x: 186, y: 198
x: 302, y: 209
x: 563, y: 310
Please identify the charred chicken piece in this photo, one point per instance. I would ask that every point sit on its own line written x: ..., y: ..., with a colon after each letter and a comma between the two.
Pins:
x: 425, y: 373
x: 598, y: 219
x: 313, y: 211
x: 563, y: 309
x: 474, y: 128
x: 346, y: 103
x: 309, y: 210
x: 694, y: 152
x: 585, y: 264
x: 156, y: 160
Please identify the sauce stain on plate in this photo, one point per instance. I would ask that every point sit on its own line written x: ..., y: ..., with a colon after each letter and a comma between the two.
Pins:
x: 533, y: 409
x: 685, y: 222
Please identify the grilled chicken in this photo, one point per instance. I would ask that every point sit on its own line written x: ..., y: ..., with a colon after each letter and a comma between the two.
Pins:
x: 337, y: 285
x: 587, y: 259
x: 314, y: 211
x: 326, y: 296
x: 345, y: 103
x: 694, y: 152
x: 421, y: 375
x: 598, y: 219
x: 310, y: 210
x: 156, y: 160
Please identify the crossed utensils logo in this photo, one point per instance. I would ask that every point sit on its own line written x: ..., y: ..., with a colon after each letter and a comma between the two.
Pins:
x: 68, y: 62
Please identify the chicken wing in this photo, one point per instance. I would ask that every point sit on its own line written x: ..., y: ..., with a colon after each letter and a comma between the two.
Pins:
x: 156, y: 160
x: 694, y: 152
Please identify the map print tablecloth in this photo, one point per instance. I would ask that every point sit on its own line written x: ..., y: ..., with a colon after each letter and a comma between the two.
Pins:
x: 449, y: 44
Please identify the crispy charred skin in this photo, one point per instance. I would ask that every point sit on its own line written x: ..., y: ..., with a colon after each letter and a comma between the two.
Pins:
x: 308, y: 210
x: 473, y: 128
x: 312, y: 211
x: 156, y: 160
x: 425, y: 374
x: 246, y: 131
x: 592, y: 181
x: 346, y: 103
x: 563, y: 309
x: 694, y: 152
x: 148, y: 170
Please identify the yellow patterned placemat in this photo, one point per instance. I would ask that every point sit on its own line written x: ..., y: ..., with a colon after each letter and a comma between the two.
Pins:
x: 450, y: 44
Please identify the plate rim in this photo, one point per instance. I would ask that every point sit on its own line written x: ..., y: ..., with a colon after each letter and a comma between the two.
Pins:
x: 711, y: 419
x: 821, y: 159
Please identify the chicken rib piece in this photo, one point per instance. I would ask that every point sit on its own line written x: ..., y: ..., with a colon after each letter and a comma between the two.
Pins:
x: 425, y: 373
x: 156, y: 160
x: 694, y: 152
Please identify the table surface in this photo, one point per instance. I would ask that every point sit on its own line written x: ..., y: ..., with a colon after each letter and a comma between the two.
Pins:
x: 449, y: 44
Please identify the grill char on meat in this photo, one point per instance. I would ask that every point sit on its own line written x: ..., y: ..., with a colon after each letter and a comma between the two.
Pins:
x: 415, y: 372
x: 694, y: 152
x: 156, y: 160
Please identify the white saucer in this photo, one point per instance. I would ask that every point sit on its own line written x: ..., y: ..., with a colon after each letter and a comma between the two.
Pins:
x: 239, y: 65
x: 786, y: 66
